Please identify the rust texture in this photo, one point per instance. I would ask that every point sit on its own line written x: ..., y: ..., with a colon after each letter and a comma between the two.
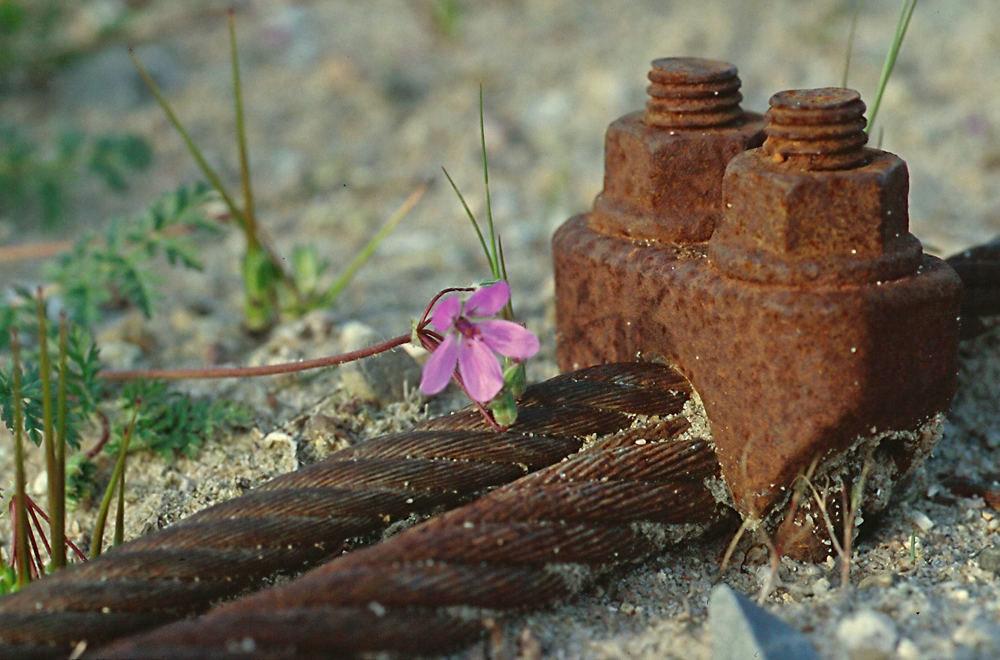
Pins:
x: 808, y: 320
x: 306, y: 516
x: 665, y: 165
x: 620, y: 500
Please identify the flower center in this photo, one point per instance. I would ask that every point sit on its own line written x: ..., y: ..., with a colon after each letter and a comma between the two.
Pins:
x: 466, y: 327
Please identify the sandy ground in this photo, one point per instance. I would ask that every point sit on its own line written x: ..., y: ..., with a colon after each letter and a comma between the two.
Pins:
x: 350, y: 105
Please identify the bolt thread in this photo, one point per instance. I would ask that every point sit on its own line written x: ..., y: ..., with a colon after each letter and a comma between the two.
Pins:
x: 816, y: 129
x: 690, y: 92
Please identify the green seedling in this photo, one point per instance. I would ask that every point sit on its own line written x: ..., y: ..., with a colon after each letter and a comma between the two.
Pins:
x: 503, y: 406
x: 117, y: 482
x: 270, y: 290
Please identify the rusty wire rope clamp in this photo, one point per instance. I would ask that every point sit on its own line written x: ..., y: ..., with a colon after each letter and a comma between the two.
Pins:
x: 808, y: 320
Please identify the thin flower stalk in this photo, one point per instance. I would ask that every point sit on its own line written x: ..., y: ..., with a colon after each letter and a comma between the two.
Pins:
x: 20, y: 514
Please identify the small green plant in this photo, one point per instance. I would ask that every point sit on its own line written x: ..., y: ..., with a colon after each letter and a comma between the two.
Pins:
x: 53, y: 402
x: 270, y: 290
x: 115, y: 262
x: 169, y: 422
x: 35, y: 180
x: 503, y: 405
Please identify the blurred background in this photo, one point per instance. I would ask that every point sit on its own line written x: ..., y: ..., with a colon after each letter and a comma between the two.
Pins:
x: 350, y: 105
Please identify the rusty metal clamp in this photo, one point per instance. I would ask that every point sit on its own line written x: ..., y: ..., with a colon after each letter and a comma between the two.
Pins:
x: 778, y: 275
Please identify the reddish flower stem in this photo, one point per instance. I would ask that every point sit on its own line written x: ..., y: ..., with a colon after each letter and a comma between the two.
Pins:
x: 246, y: 372
x: 429, y: 339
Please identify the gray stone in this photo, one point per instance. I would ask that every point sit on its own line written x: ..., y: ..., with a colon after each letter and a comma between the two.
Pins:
x: 867, y: 635
x: 382, y: 378
x: 742, y: 630
x: 989, y: 559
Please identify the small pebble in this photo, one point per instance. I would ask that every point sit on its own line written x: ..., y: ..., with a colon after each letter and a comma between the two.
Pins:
x: 921, y: 520
x: 989, y: 559
x: 878, y: 581
x: 742, y: 629
x: 867, y: 635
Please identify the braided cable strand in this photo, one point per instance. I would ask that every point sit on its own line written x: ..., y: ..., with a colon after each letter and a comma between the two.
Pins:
x: 623, y: 498
x: 301, y: 518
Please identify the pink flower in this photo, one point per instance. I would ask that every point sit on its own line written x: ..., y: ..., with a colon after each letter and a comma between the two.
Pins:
x: 472, y: 342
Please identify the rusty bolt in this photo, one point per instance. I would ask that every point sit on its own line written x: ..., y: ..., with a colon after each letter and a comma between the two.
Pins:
x: 664, y: 166
x: 812, y: 204
x: 811, y: 325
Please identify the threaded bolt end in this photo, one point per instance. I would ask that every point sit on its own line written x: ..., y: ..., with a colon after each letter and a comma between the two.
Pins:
x: 690, y: 92
x: 816, y: 129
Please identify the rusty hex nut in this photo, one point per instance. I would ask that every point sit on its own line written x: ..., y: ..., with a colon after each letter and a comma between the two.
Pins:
x: 812, y: 205
x: 664, y: 166
x: 791, y: 226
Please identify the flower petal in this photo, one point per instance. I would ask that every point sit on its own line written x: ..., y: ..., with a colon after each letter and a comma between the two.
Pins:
x: 445, y: 313
x: 480, y: 370
x: 440, y: 366
x: 508, y: 338
x: 488, y: 300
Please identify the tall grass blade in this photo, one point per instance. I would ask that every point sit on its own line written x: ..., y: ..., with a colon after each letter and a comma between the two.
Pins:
x: 366, y: 252
x: 241, y: 137
x: 890, y: 59
x: 116, y: 479
x: 206, y: 169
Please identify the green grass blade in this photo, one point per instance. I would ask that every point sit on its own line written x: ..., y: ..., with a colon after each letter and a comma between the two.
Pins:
x: 58, y: 511
x: 366, y: 252
x: 241, y: 136
x: 493, y: 256
x: 850, y: 42
x: 468, y: 212
x: 120, y: 512
x: 890, y: 59
x: 116, y: 479
x: 206, y: 169
x: 48, y: 431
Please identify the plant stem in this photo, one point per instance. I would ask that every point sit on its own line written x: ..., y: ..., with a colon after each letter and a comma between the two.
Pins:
x: 116, y: 478
x: 366, y: 252
x: 206, y: 169
x: 246, y: 372
x: 890, y: 59
x: 48, y: 431
x: 21, y: 505
x: 493, y: 256
x: 58, y: 508
x: 241, y: 139
x: 468, y: 212
x: 43, y: 250
x: 120, y: 512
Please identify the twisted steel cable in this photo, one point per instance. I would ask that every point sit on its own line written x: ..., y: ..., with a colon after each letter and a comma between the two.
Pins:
x: 536, y: 540
x: 979, y: 268
x: 301, y: 518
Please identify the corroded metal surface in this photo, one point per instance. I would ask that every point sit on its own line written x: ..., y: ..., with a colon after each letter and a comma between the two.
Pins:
x: 809, y: 321
x: 537, y: 540
x: 669, y: 160
x: 303, y: 517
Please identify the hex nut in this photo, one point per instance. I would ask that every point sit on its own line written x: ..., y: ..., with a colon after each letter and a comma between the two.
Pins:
x: 665, y: 184
x: 791, y: 225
